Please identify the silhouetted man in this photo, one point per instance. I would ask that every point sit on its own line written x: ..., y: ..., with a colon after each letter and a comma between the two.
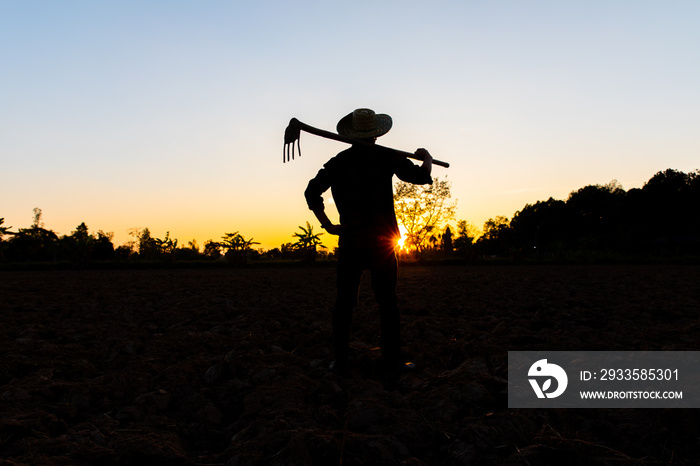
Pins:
x: 361, y: 181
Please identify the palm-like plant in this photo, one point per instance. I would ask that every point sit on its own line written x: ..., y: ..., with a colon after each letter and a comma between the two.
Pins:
x: 236, y: 246
x: 307, y: 239
x: 236, y: 242
x: 167, y: 245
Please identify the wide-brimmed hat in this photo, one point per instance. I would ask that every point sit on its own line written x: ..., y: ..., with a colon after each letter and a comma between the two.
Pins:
x: 363, y: 123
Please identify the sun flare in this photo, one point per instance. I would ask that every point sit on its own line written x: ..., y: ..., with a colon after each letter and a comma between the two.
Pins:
x: 401, y: 242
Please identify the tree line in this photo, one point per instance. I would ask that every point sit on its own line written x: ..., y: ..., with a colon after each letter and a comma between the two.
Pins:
x: 594, y: 222
x: 81, y: 248
x: 659, y: 220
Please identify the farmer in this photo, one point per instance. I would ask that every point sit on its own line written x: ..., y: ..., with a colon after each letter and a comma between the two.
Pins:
x: 360, y: 179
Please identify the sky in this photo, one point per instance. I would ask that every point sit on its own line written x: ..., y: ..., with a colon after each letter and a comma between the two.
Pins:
x: 170, y: 114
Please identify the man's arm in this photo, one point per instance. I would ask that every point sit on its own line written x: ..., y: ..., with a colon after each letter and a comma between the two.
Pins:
x: 317, y: 186
x: 325, y: 222
x: 427, y: 165
x: 417, y: 174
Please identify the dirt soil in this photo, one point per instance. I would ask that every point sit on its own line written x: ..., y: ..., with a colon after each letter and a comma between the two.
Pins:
x: 229, y: 367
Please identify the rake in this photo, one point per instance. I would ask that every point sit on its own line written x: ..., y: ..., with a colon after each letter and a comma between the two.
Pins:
x: 293, y: 132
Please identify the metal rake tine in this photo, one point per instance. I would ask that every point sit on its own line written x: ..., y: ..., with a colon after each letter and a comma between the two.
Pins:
x: 291, y: 134
x: 288, y: 153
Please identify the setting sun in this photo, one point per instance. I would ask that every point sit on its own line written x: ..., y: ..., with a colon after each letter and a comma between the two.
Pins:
x: 400, y: 244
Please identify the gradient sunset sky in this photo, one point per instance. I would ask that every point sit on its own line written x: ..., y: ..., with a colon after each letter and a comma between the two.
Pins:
x: 170, y: 114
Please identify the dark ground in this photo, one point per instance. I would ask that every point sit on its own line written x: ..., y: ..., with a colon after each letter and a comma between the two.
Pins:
x: 228, y: 367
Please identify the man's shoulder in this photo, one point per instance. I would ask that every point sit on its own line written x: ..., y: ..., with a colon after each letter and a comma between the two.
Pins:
x: 373, y: 159
x: 342, y: 158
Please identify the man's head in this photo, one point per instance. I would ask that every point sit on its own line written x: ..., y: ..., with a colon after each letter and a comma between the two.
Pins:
x: 363, y: 123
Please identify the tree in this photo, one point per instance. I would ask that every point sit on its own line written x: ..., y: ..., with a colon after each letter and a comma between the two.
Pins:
x: 148, y: 248
x: 494, y: 227
x: 236, y: 247
x: 288, y: 251
x: 307, y: 242
x: 193, y: 245
x: 3, y: 230
x: 466, y: 235
x: 125, y: 252
x: 77, y: 247
x: 595, y: 215
x: 496, y: 237
x: 595, y: 206
x: 189, y: 252
x: 33, y: 244
x: 103, y: 248
x: 231, y: 242
x: 671, y: 198
x: 166, y: 246
x: 543, y: 227
x: 422, y: 210
x: 236, y: 242
x: 212, y: 249
x: 37, y: 223
x: 447, y: 245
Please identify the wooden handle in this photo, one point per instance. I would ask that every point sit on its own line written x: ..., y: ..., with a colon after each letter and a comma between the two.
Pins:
x: 338, y: 137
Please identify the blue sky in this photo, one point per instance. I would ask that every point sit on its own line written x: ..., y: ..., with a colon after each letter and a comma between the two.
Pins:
x: 170, y: 115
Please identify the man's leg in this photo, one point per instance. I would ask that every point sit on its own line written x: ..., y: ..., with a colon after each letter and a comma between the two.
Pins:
x: 384, y: 285
x: 349, y: 275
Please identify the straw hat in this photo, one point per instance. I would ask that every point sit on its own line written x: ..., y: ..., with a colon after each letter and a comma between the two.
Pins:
x: 364, y: 123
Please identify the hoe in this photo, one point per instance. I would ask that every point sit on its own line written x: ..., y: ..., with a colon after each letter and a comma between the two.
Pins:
x: 293, y: 132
